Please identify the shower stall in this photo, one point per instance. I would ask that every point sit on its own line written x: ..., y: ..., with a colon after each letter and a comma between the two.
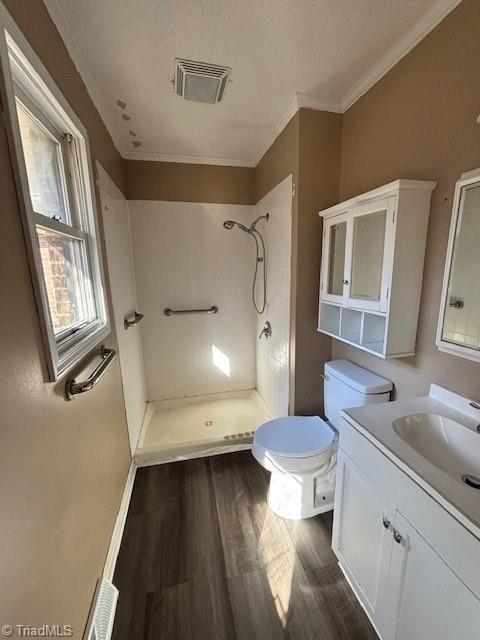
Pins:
x: 213, y: 284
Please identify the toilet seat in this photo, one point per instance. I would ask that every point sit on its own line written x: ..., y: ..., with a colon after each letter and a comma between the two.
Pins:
x: 294, y: 444
x: 295, y: 437
x: 300, y: 453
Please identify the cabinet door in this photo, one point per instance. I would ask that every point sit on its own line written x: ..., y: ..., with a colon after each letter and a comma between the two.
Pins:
x: 332, y: 285
x: 370, y: 236
x: 362, y: 538
x: 428, y: 600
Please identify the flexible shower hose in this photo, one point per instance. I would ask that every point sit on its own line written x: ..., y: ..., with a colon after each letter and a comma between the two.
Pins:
x: 259, y: 308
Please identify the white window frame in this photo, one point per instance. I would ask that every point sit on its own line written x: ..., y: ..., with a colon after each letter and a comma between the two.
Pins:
x: 24, y: 74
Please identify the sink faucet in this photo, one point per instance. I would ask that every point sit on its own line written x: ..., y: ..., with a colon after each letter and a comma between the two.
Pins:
x: 266, y: 331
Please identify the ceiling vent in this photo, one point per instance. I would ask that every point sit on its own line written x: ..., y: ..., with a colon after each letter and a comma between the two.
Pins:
x: 200, y: 81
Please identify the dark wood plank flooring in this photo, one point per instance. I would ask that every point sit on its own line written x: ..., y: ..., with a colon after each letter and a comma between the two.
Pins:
x: 203, y: 558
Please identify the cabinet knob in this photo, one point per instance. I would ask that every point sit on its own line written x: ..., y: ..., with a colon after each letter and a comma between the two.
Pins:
x: 386, y: 522
x: 397, y: 536
x: 345, y: 281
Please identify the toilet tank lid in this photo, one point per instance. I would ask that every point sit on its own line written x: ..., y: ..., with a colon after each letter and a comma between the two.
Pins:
x: 357, y: 377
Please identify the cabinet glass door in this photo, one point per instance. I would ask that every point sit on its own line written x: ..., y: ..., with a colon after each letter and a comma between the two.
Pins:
x: 370, y: 257
x: 334, y: 251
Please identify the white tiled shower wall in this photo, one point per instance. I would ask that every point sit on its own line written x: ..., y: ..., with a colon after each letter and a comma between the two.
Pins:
x: 185, y: 259
x: 273, y: 355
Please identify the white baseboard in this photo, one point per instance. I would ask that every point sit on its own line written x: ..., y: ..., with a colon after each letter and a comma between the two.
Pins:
x: 114, y: 548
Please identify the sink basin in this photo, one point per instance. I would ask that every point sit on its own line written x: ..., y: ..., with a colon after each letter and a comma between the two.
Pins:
x: 449, y: 445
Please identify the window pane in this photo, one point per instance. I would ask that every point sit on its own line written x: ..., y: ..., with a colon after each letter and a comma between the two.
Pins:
x: 338, y: 235
x: 43, y: 160
x: 67, y: 279
x: 368, y: 244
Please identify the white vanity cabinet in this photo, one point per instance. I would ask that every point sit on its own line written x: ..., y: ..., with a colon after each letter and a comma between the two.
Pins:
x: 372, y: 267
x: 360, y: 540
x: 413, y: 567
x: 426, y: 598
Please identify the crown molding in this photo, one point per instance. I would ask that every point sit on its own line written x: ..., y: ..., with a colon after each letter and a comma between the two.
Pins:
x: 172, y: 157
x: 300, y: 101
x: 276, y: 130
x: 67, y: 33
x: 305, y: 101
x: 422, y: 28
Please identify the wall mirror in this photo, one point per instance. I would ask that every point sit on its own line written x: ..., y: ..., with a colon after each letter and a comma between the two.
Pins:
x: 458, y: 329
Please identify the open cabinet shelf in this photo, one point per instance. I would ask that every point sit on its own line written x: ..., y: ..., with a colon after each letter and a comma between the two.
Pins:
x: 330, y: 315
x: 372, y: 267
x: 361, y: 329
x: 351, y: 322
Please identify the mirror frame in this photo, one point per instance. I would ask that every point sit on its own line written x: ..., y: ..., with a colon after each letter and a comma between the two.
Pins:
x: 470, y: 177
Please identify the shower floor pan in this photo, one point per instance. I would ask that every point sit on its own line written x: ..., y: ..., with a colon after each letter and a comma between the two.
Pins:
x: 200, y: 426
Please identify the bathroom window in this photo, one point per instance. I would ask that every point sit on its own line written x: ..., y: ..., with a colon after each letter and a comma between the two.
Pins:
x: 55, y: 185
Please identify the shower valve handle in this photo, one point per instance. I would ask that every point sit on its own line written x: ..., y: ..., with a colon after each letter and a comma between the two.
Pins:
x: 266, y: 331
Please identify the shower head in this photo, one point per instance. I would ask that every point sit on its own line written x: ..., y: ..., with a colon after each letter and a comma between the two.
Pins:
x: 253, y: 226
x: 229, y: 224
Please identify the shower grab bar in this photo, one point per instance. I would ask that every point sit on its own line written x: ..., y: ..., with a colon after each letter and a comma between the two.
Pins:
x: 178, y: 312
x: 135, y: 320
x: 73, y: 388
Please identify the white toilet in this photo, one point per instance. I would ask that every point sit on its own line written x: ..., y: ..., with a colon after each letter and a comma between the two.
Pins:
x: 301, y: 452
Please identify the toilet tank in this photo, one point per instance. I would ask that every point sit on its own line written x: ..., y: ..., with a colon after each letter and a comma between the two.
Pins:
x: 346, y: 385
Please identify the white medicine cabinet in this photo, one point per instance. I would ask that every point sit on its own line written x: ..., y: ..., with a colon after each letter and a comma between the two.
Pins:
x: 372, y: 267
x: 458, y: 331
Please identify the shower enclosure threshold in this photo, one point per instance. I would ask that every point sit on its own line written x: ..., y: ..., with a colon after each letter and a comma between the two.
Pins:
x: 200, y: 426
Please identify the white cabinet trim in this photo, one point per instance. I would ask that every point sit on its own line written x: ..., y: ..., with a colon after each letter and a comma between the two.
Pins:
x: 380, y: 192
x: 330, y: 297
x: 419, y: 520
x: 443, y: 345
x: 407, y: 203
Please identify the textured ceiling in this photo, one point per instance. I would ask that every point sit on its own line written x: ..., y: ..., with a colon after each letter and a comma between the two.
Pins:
x: 328, y: 51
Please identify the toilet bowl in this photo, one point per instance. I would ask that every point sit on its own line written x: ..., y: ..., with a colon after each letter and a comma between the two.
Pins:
x: 301, y: 451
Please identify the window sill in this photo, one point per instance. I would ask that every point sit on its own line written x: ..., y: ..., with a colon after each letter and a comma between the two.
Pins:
x: 74, y: 353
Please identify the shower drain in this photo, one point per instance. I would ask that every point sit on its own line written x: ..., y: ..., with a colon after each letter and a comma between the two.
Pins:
x: 208, y: 423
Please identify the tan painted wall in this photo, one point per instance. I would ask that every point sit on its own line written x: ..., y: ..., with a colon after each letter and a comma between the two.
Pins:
x: 179, y: 182
x: 64, y: 464
x: 279, y: 161
x: 309, y: 148
x: 419, y: 122
x: 318, y: 186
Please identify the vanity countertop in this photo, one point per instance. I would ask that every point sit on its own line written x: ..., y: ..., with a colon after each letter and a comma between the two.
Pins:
x: 375, y: 422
